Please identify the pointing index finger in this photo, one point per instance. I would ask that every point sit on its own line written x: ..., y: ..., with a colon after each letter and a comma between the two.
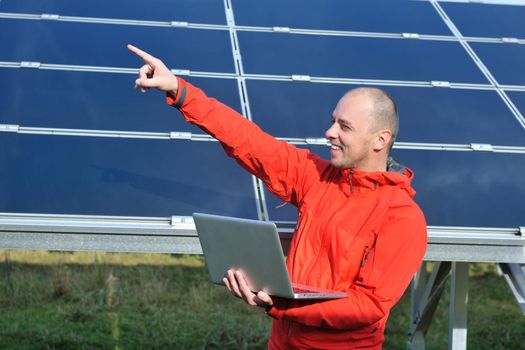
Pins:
x: 142, y: 54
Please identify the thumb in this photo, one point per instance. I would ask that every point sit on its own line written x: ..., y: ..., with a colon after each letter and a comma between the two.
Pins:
x: 265, y: 298
x: 146, y: 83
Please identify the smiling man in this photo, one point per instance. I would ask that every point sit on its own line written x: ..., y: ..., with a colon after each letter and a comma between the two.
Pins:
x: 358, y: 231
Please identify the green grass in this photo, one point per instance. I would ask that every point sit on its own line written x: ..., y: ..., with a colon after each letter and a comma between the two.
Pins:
x: 155, y: 301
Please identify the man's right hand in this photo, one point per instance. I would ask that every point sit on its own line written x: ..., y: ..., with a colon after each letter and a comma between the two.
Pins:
x: 154, y: 74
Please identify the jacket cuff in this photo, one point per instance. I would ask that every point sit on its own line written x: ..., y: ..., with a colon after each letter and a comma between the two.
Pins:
x: 178, y: 100
x: 275, y: 313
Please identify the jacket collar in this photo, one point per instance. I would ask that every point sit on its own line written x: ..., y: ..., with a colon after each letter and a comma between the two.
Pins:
x: 396, y: 175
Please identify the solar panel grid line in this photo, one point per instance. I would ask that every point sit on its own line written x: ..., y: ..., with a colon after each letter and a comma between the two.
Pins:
x: 116, y: 21
x: 486, y: 72
x: 222, y: 27
x: 95, y: 133
x: 204, y: 74
x: 106, y: 69
x: 262, y: 210
x: 420, y: 36
x: 204, y: 26
x: 512, y: 107
x: 175, y: 135
x: 512, y: 88
x: 378, y: 82
x: 502, y: 40
x: 323, y: 32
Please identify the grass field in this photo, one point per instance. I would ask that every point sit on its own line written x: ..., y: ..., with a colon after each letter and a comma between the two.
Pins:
x: 91, y: 300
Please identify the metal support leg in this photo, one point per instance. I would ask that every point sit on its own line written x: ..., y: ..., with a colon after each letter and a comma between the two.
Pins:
x: 418, y: 290
x: 426, y: 292
x: 457, y: 335
x: 515, y: 276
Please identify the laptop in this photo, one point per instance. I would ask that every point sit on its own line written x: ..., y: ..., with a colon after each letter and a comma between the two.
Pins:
x: 254, y: 247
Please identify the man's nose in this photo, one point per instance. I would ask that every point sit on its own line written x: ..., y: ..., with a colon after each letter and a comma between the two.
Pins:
x: 330, y: 133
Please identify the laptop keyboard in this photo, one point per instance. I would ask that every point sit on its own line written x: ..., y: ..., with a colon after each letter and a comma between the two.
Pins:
x: 302, y: 290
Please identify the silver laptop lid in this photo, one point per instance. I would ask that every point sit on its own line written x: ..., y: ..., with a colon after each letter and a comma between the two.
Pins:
x: 250, y: 245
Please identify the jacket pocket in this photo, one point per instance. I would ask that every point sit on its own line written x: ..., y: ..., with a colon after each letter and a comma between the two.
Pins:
x: 346, y: 256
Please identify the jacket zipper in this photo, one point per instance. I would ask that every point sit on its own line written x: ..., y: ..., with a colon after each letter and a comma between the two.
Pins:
x: 350, y: 174
x: 365, y: 257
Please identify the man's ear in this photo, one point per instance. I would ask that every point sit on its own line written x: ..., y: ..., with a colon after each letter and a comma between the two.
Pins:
x: 382, y: 139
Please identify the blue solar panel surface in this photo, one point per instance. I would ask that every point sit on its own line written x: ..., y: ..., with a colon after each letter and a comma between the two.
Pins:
x: 89, y: 176
x: 467, y: 189
x: 356, y: 57
x: 364, y: 16
x: 84, y: 82
x: 200, y: 11
x: 518, y: 98
x: 86, y: 100
x: 506, y: 62
x: 81, y: 44
x: 445, y: 115
x: 487, y: 20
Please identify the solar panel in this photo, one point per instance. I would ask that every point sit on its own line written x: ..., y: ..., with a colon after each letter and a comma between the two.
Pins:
x: 445, y: 115
x: 518, y: 98
x: 455, y: 70
x: 357, y: 57
x: 505, y: 61
x: 490, y: 20
x: 200, y: 11
x: 364, y: 16
x: 480, y: 189
x: 87, y: 100
x: 91, y: 176
x: 80, y: 44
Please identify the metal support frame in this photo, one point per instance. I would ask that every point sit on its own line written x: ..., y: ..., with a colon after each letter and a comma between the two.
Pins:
x: 29, y: 231
x: 515, y: 276
x: 303, y: 31
x: 426, y: 292
x: 181, y: 135
x: 262, y: 210
x: 451, y: 248
x: 271, y: 77
x: 457, y: 329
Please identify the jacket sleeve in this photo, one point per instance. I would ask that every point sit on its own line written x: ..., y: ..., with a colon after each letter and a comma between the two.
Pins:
x: 281, y: 166
x: 397, y: 255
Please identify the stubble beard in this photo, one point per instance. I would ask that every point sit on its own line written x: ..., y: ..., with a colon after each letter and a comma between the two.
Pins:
x: 349, y: 163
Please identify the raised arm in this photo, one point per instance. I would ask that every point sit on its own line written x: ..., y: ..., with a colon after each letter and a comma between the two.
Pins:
x: 285, y: 169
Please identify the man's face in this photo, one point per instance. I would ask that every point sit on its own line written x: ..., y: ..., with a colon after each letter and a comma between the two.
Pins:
x: 350, y: 137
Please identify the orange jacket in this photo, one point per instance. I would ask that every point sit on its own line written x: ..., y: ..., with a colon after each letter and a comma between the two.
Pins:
x: 358, y: 232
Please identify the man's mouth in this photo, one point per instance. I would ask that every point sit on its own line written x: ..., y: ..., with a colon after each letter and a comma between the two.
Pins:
x: 335, y: 147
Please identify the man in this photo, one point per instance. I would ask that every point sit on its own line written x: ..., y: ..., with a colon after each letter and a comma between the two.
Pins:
x: 358, y: 230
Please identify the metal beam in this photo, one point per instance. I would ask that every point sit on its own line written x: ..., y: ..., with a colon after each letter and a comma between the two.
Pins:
x: 426, y: 292
x: 31, y: 231
x: 181, y: 135
x: 293, y: 77
x: 515, y: 276
x: 301, y: 31
x: 457, y: 333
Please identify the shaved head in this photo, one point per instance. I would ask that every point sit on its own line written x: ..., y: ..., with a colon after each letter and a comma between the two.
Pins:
x: 383, y: 110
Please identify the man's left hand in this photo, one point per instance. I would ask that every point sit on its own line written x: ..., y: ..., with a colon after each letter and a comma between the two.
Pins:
x: 237, y: 284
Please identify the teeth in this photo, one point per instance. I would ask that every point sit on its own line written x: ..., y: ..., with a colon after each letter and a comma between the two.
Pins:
x: 335, y: 147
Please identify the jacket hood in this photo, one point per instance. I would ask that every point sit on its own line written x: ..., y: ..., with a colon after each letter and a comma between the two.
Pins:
x: 396, y: 175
